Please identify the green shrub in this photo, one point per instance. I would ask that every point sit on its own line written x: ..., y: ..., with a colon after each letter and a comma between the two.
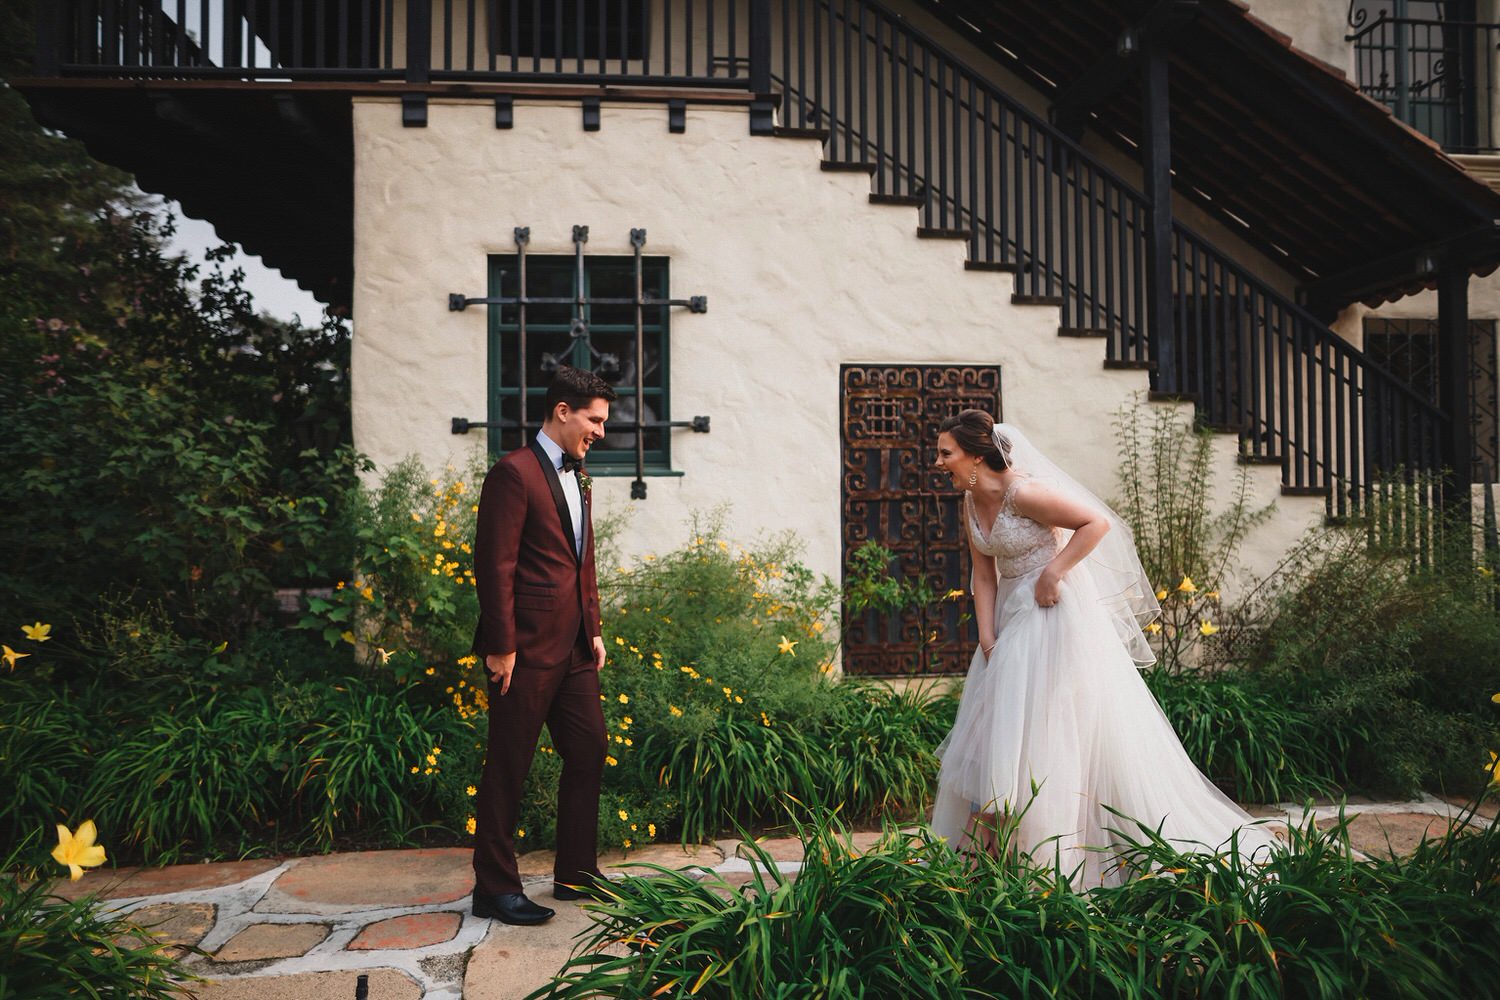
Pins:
x: 1394, y: 663
x: 909, y: 918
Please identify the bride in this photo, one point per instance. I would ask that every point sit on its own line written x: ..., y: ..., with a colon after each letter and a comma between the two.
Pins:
x: 1055, y: 723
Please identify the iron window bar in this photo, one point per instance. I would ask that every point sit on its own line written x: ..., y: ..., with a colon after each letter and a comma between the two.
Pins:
x: 579, y: 331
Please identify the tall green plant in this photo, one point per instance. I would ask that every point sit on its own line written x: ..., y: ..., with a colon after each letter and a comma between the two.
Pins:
x: 1167, y: 497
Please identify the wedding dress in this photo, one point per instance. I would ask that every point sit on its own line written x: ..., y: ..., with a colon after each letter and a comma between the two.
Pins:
x: 1056, y: 723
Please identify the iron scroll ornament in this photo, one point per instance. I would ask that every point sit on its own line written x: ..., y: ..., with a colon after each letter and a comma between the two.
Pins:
x: 579, y: 331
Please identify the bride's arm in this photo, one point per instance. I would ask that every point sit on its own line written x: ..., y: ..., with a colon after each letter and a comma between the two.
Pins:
x: 1088, y: 525
x: 982, y: 583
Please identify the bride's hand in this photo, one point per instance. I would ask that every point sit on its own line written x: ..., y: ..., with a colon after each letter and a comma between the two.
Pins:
x: 1047, y: 588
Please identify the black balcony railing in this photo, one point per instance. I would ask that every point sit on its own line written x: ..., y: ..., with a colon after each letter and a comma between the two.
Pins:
x: 936, y: 134
x: 1437, y: 75
x: 666, y: 42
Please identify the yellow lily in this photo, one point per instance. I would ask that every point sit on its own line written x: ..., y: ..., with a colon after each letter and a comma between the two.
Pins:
x: 77, y: 850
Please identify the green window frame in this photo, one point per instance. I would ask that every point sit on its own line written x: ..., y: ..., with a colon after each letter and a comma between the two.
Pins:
x: 593, y: 336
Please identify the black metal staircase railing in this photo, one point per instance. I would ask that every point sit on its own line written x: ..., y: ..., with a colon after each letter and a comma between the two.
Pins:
x: 979, y: 163
x: 938, y: 135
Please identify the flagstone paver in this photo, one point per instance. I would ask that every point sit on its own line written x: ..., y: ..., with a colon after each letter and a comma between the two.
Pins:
x: 415, y: 930
x: 347, y: 883
x: 260, y: 941
x: 178, y: 924
x: 1381, y: 835
x: 385, y: 984
x: 119, y: 883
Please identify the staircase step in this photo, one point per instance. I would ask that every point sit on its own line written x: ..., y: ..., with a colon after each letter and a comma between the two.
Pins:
x: 990, y: 265
x: 934, y: 233
x: 793, y: 132
x: 1080, y: 331
x: 1127, y: 364
x: 909, y: 200
x: 1156, y: 396
x: 849, y: 166
x: 1038, y: 300
x: 1306, y: 491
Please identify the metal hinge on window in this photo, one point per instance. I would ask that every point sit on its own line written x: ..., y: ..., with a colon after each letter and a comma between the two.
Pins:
x: 604, y: 361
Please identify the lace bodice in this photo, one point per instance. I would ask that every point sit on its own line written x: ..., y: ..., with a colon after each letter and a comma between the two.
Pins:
x: 1017, y: 543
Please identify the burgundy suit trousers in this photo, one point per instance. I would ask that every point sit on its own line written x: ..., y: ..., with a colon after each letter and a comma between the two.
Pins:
x: 567, y: 698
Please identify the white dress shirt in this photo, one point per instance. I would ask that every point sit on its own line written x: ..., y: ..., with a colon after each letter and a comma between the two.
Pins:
x: 570, y: 489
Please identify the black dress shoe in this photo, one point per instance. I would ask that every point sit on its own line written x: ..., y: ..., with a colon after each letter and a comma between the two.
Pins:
x: 510, y: 908
x: 593, y: 887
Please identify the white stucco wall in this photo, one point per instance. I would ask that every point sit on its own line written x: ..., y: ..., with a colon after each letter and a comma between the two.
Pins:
x: 1317, y: 28
x: 802, y: 274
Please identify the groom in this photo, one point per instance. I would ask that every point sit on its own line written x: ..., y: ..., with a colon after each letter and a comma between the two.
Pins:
x: 540, y: 640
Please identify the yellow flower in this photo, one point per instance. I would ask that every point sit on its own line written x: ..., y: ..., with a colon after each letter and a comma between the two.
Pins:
x: 348, y: 637
x: 624, y: 815
x: 1495, y: 697
x: 430, y: 671
x: 953, y: 595
x: 431, y: 760
x: 1161, y: 595
x: 727, y: 692
x: 651, y: 830
x: 1490, y: 767
x: 1153, y: 627
x: 385, y: 656
x: 677, y: 712
x: 11, y: 656
x: 520, y: 832
x: 628, y: 742
x: 37, y: 632
x: 625, y: 843
x: 738, y: 700
x: 610, y: 761
x: 77, y: 850
x: 624, y: 699
x: 471, y: 791
x: 619, y: 641
x: 1207, y: 627
x: 469, y: 825
x: 1212, y: 595
x: 626, y: 722
x: 764, y: 719
x: 415, y: 769
x: 1186, y: 586
x: 787, y: 645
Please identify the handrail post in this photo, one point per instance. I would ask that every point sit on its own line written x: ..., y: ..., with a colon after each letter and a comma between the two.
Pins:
x: 1156, y: 165
x: 418, y: 62
x: 49, y: 36
x: 762, y: 106
x: 1454, y: 391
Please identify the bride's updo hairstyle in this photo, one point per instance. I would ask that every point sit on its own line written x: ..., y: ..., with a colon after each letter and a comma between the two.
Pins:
x: 974, y: 432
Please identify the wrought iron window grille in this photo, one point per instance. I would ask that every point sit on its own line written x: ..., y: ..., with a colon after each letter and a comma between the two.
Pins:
x: 580, y: 339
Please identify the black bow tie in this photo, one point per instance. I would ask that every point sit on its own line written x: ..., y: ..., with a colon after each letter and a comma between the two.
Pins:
x: 571, y: 464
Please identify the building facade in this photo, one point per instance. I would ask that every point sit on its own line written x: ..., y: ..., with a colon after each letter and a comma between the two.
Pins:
x: 798, y: 233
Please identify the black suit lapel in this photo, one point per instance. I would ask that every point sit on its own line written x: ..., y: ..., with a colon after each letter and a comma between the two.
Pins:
x: 553, y: 482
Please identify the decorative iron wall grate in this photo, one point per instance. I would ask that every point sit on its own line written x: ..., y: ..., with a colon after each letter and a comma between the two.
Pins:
x: 894, y: 497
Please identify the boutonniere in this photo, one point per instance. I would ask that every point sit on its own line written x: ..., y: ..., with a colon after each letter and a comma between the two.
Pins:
x: 585, y: 481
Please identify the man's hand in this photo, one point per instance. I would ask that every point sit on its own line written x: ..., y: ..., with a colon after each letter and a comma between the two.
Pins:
x: 599, y: 652
x: 499, y: 667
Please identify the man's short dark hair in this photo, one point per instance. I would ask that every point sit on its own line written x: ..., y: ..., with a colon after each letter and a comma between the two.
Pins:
x: 577, y: 388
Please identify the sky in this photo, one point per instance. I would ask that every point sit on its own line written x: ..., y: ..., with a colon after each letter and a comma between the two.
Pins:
x: 272, y: 293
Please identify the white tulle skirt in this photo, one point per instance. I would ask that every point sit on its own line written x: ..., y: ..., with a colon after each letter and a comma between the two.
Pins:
x: 1055, y: 725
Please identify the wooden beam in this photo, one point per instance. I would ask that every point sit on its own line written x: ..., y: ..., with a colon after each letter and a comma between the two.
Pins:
x: 1454, y: 390
x: 1113, y: 68
x: 1156, y: 171
x: 1415, y: 265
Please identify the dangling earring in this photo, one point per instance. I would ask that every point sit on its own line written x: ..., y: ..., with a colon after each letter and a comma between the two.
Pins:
x: 974, y: 474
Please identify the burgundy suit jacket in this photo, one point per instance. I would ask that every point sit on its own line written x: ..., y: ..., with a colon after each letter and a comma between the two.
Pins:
x: 535, y: 592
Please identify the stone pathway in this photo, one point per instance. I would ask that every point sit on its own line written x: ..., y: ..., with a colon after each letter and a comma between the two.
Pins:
x: 305, y: 928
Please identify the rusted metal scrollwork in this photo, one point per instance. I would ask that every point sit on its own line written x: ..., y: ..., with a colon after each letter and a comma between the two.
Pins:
x: 892, y: 495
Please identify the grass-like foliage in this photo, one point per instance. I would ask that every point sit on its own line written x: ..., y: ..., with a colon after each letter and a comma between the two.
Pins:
x: 53, y: 947
x: 909, y: 918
